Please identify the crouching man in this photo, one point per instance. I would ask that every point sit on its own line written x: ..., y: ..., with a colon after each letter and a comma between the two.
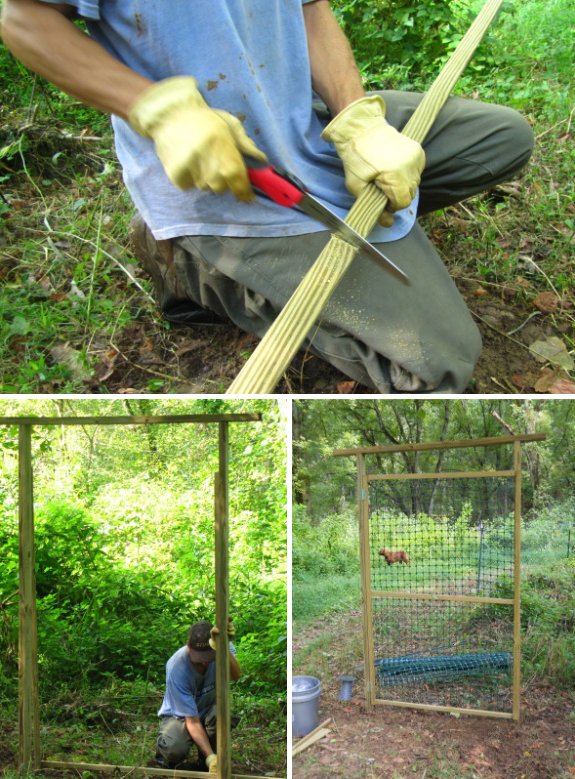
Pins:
x: 188, y: 711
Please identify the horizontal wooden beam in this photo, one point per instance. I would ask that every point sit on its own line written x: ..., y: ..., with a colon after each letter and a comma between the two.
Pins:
x: 450, y: 709
x: 440, y: 475
x: 136, y: 420
x: 430, y: 445
x: 402, y: 594
x: 136, y: 770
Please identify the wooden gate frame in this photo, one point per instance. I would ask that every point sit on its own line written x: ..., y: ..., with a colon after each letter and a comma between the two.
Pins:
x: 29, y: 747
x: 363, y: 480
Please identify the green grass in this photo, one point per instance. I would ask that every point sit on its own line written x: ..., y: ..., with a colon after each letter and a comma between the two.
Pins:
x: 68, y: 290
x: 119, y: 726
x: 314, y: 597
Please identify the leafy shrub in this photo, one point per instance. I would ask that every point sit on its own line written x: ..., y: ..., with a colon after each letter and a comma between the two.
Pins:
x: 398, y: 40
x: 105, y: 611
x: 548, y: 620
x: 328, y: 546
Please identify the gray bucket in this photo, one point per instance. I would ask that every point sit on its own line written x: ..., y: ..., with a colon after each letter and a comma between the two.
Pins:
x: 305, y: 704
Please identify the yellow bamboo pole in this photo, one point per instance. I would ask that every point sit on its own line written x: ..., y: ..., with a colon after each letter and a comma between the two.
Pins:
x: 286, y: 335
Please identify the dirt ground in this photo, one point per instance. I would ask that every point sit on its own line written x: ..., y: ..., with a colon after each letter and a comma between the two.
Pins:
x: 207, y: 359
x: 394, y: 743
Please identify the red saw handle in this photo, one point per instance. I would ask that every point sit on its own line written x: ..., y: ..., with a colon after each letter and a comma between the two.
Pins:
x: 275, y: 186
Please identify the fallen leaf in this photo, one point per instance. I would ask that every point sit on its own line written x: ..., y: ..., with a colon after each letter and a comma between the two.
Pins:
x: 545, y: 380
x: 64, y: 354
x: 562, y: 387
x: 147, y: 345
x: 552, y: 350
x: 188, y: 346
x: 546, y: 302
x: 106, y: 367
x: 520, y: 381
x: 346, y: 387
x: 246, y: 340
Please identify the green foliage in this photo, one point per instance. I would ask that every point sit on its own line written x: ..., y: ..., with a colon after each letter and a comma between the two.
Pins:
x: 125, y: 546
x: 262, y: 649
x: 397, y: 40
x: 328, y: 546
x: 548, y: 623
x: 21, y: 88
x: 539, y: 77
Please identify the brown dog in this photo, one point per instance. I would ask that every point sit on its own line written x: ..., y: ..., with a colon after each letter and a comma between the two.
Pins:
x: 394, y: 557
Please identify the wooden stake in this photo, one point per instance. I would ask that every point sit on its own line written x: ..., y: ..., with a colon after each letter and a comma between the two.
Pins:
x: 517, y: 586
x: 317, y: 735
x: 425, y: 446
x: 134, y: 770
x: 28, y: 710
x: 365, y: 563
x: 136, y: 420
x: 307, y: 736
x: 222, y: 608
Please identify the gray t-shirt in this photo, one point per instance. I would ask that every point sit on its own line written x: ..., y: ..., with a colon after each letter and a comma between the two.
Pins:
x: 188, y: 693
x: 250, y: 58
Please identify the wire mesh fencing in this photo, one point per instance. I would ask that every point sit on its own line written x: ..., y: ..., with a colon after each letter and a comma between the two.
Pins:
x: 442, y: 578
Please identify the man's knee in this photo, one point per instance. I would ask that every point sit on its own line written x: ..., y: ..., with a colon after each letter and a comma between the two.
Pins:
x: 516, y: 139
x: 174, y: 741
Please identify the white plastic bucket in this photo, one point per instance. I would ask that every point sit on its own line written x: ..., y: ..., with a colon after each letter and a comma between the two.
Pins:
x: 305, y: 692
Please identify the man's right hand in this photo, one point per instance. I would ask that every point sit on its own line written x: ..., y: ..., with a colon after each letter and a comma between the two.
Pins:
x: 212, y: 763
x: 198, y: 146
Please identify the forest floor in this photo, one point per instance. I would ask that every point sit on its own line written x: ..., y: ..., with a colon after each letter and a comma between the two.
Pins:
x: 103, y: 732
x: 72, y: 319
x: 396, y: 743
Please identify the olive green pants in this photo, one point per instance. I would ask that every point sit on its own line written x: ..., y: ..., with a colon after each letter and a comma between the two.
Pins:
x: 174, y: 742
x: 384, y: 334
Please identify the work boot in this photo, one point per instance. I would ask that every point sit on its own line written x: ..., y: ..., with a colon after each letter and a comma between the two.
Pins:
x: 157, y: 259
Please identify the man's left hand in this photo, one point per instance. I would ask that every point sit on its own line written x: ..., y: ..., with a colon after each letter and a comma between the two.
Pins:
x: 214, y: 632
x: 373, y: 151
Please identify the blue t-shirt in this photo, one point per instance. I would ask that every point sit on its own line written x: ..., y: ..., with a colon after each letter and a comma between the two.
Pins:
x: 188, y: 693
x: 249, y: 58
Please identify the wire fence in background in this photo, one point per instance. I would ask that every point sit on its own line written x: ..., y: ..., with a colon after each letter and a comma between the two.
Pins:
x: 441, y: 550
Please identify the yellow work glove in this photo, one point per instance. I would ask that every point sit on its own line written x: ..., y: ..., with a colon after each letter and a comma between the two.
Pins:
x: 212, y: 764
x: 198, y: 146
x: 373, y: 151
x: 214, y: 632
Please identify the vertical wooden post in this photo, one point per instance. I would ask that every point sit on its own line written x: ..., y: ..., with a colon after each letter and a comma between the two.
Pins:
x: 222, y: 608
x: 28, y: 709
x: 368, y: 652
x: 517, y: 584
